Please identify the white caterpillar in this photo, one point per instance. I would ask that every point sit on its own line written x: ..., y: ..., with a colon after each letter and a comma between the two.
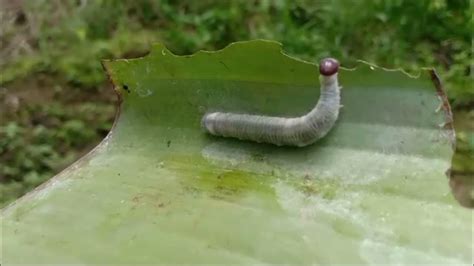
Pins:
x: 296, y: 131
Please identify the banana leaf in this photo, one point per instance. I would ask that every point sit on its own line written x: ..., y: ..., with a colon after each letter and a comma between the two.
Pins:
x: 158, y: 190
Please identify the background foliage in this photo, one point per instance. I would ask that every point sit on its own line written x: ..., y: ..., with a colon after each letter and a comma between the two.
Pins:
x: 55, y: 104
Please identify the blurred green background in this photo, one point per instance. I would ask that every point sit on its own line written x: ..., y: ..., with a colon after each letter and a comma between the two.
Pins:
x: 56, y: 103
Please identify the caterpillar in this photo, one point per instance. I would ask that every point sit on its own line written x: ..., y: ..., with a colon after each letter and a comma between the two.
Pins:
x: 294, y: 131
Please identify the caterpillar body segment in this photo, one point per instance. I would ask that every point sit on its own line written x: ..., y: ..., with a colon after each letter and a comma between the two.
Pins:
x: 296, y: 131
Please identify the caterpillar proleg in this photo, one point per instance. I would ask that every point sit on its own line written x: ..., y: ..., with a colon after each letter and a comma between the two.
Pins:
x: 295, y: 131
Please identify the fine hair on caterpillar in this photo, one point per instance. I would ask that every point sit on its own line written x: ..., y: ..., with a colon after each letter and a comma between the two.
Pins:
x: 294, y: 131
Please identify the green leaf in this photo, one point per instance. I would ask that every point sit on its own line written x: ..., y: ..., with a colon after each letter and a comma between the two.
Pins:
x: 158, y: 190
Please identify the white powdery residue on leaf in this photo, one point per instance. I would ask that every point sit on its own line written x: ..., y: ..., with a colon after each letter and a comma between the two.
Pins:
x: 307, y: 207
x: 383, y: 253
x: 344, y: 165
x: 219, y: 155
x: 144, y: 92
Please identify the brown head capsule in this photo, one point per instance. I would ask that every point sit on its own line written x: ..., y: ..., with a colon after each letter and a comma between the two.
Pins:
x: 328, y: 66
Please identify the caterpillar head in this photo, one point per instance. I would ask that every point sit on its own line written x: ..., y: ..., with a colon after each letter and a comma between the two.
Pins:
x: 328, y: 66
